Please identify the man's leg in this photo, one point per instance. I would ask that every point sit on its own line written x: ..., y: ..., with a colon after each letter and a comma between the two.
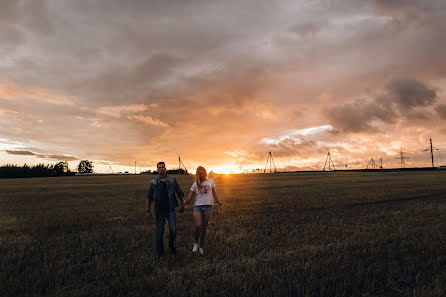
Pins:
x: 160, y: 219
x: 172, y: 220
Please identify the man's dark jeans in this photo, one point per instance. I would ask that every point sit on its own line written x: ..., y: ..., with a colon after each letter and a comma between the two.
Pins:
x: 160, y: 220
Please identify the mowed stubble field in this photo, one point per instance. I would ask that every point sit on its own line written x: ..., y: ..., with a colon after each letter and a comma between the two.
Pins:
x: 296, y: 234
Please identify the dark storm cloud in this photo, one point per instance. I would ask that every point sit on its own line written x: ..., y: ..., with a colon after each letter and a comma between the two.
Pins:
x: 10, y: 35
x: 19, y: 19
x: 431, y: 6
x: 399, y: 99
x: 132, y: 83
x: 359, y: 115
x: 20, y: 153
x: 306, y: 29
x: 33, y: 15
x: 418, y: 117
x: 43, y: 156
x: 408, y: 93
x: 290, y: 147
x: 441, y: 111
x: 304, y: 147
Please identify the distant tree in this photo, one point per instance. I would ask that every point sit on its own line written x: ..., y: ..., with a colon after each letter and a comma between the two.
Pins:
x: 177, y: 171
x: 41, y: 170
x: 85, y: 166
x: 61, y: 168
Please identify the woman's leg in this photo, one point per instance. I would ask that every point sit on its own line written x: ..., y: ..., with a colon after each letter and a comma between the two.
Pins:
x: 198, y: 225
x: 204, y: 227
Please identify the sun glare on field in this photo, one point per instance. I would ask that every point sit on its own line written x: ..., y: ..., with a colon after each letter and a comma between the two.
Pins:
x: 227, y: 169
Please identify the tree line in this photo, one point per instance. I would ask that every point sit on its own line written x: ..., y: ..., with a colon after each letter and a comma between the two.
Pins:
x: 44, y: 170
x: 170, y: 171
x: 59, y: 169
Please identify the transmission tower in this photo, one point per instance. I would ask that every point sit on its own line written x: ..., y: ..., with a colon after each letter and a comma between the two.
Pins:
x: 402, y: 158
x: 330, y: 162
x: 371, y: 164
x: 271, y: 163
x: 110, y: 170
x: 181, y: 166
x: 431, y: 148
x: 374, y: 165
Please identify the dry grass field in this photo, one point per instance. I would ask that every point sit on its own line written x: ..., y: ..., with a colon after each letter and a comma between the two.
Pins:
x: 297, y: 234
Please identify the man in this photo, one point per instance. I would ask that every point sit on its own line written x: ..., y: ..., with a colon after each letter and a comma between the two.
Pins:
x: 162, y: 190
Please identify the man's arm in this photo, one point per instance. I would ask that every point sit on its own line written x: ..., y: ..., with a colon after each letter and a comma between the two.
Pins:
x: 180, y: 194
x: 148, y: 204
x: 149, y: 200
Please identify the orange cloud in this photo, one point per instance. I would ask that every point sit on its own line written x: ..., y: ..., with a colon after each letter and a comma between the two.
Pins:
x: 117, y: 111
x: 11, y: 91
x: 133, y: 112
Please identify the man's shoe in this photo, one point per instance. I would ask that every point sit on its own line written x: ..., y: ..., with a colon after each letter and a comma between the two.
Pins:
x: 195, y: 248
x: 201, y: 251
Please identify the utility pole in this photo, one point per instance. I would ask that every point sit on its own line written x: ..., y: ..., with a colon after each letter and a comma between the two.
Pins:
x: 135, y: 166
x: 330, y: 162
x: 271, y: 163
x: 432, y: 152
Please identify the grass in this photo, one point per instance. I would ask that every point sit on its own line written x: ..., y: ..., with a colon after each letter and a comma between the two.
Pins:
x: 303, y: 234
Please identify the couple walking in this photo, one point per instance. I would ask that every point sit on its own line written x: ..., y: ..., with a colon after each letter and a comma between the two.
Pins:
x: 163, y: 189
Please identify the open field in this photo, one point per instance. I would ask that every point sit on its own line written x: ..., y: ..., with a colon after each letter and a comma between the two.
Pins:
x: 303, y: 234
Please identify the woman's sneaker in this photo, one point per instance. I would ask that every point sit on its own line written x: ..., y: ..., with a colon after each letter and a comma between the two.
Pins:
x: 195, y: 248
x: 201, y: 251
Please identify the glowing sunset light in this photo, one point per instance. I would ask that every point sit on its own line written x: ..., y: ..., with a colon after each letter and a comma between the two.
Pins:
x: 226, y: 169
x: 298, y: 80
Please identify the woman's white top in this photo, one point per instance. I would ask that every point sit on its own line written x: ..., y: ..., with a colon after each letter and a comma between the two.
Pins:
x: 204, y: 192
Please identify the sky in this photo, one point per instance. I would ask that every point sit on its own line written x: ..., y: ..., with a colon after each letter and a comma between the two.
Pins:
x: 222, y: 83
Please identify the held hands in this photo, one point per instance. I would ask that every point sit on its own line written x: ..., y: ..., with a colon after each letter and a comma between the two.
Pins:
x: 149, y: 215
x: 182, y: 208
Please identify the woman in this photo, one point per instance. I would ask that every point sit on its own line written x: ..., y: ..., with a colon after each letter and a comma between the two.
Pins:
x: 204, y: 188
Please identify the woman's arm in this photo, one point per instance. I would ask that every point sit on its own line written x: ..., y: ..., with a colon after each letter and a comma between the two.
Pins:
x: 216, y: 196
x: 189, y: 197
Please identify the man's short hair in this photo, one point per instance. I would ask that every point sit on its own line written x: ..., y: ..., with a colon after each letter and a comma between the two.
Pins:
x: 160, y: 163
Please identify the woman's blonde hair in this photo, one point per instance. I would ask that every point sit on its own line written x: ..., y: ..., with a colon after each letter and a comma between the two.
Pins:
x: 197, y: 174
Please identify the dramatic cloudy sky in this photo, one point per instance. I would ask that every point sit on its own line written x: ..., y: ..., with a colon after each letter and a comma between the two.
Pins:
x: 222, y: 82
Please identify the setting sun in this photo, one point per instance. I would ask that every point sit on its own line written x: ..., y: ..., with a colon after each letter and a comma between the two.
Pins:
x: 227, y: 169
